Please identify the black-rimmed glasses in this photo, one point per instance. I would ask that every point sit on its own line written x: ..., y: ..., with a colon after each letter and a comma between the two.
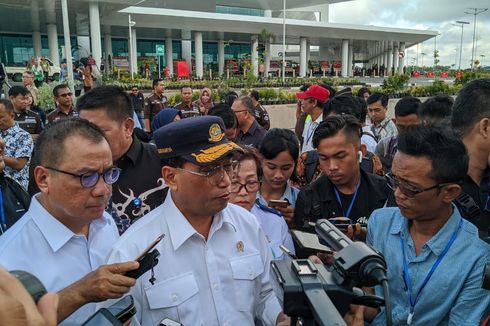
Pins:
x: 90, y: 179
x: 250, y: 186
x: 407, y: 189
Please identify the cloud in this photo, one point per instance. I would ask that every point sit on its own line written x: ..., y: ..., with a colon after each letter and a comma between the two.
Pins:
x: 418, y: 14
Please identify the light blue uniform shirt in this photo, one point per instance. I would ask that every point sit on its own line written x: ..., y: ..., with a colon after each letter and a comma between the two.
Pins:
x: 41, y: 245
x: 453, y: 295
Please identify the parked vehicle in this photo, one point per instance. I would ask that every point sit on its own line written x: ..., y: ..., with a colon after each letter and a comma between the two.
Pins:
x: 15, y: 71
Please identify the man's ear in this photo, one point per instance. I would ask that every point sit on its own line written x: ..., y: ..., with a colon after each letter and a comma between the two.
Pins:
x: 128, y: 126
x: 363, y: 149
x: 450, y: 193
x: 169, y: 176
x: 41, y: 177
x: 484, y: 127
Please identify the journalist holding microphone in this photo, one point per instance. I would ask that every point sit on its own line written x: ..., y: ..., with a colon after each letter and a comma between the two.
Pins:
x: 65, y: 236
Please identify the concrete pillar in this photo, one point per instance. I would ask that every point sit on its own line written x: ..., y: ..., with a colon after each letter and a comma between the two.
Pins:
x: 169, y: 52
x: 345, y: 57
x: 52, y: 31
x: 395, y: 57
x: 66, y: 34
x: 267, y: 13
x: 187, y: 48
x: 198, y: 54
x: 308, y: 46
x: 401, y: 61
x: 221, y: 57
x: 389, y: 54
x: 255, y: 56
x: 107, y: 46
x: 96, y: 49
x: 36, y: 28
x: 302, y: 57
x: 350, y: 58
x: 134, y: 53
x: 267, y: 58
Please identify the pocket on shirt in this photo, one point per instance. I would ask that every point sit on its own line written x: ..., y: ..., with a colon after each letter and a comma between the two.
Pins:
x: 245, y: 270
x: 175, y: 298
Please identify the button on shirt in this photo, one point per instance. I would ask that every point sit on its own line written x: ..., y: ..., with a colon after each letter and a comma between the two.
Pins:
x: 308, y: 131
x: 223, y: 280
x: 18, y: 143
x: 41, y: 245
x: 252, y: 137
x: 453, y: 295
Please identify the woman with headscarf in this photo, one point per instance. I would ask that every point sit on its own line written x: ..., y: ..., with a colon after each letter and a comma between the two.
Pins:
x: 205, y: 101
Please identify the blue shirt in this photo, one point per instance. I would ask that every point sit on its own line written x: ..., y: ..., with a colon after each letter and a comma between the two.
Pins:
x: 18, y: 144
x: 41, y: 245
x: 453, y: 295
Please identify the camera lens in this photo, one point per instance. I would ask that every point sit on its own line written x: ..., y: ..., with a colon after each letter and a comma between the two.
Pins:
x: 32, y: 284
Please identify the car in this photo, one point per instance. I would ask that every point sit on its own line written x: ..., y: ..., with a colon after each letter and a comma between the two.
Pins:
x: 15, y: 71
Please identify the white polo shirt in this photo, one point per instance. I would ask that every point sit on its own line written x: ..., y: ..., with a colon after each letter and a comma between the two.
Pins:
x: 221, y: 281
x: 308, y: 131
x: 41, y: 245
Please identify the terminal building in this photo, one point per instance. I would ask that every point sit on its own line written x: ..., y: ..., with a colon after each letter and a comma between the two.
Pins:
x: 207, y: 34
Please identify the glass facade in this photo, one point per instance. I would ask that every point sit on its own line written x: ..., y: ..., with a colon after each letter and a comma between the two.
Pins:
x: 239, y: 11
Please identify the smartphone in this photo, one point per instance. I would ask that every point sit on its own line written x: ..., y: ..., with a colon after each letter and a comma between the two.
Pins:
x: 278, y: 203
x: 343, y: 227
x: 170, y: 322
x: 123, y: 309
x: 147, y: 259
x: 309, y: 242
x: 102, y: 317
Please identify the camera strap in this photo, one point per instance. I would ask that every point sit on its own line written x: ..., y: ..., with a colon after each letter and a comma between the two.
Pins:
x: 413, y: 301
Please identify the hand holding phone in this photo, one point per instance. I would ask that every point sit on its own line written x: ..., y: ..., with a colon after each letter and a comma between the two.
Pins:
x: 277, y: 203
x: 147, y: 259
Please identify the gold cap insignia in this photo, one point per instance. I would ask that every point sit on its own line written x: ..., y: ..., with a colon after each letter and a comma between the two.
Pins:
x: 165, y: 150
x: 215, y: 133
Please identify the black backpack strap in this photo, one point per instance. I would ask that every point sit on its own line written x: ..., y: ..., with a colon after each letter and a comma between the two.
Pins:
x: 370, y: 134
x: 467, y: 207
x: 311, y: 164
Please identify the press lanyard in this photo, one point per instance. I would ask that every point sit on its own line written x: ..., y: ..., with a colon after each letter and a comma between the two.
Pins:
x: 310, y: 133
x: 351, y: 202
x: 413, y: 301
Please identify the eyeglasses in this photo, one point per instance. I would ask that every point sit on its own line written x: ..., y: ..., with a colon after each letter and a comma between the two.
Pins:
x: 215, y: 174
x: 65, y: 95
x: 90, y: 179
x: 407, y: 189
x: 250, y: 186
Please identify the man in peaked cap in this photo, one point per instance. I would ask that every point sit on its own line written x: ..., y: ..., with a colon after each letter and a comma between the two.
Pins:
x: 215, y: 257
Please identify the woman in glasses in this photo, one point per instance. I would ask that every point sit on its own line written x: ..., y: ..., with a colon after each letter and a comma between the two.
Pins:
x: 245, y: 183
x: 280, y: 150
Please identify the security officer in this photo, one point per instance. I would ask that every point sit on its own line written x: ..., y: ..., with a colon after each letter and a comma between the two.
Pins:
x: 154, y: 103
x: 216, y: 257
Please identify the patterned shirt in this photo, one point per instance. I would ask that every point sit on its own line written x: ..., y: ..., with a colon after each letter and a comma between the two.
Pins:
x: 188, y: 111
x: 58, y: 115
x: 153, y: 105
x: 18, y: 143
x: 385, y: 128
x: 30, y: 121
x: 262, y: 116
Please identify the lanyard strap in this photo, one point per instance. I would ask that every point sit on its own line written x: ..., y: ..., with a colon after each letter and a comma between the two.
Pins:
x: 413, y: 301
x: 351, y: 202
x: 310, y: 132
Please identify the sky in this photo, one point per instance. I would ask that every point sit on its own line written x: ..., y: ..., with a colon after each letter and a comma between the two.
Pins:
x: 437, y: 15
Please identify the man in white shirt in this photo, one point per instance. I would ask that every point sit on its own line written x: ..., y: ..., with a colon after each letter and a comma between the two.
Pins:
x: 215, y: 259
x: 65, y: 236
x: 312, y: 102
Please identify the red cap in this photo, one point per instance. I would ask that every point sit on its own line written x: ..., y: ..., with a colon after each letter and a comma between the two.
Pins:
x: 314, y: 91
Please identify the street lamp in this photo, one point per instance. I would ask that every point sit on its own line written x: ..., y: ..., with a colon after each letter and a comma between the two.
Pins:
x: 284, y: 41
x: 130, y: 51
x: 481, y: 60
x: 460, y: 24
x: 423, y: 54
x: 475, y: 11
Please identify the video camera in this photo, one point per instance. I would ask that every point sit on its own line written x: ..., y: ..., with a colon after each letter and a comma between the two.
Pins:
x: 320, y: 294
x: 486, y: 277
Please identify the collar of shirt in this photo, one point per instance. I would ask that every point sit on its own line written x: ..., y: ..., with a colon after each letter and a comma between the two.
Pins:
x: 181, y: 230
x: 252, y: 128
x: 439, y: 241
x: 55, y: 233
x: 12, y: 131
x: 134, y: 150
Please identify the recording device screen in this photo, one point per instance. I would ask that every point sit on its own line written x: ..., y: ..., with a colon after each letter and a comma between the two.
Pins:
x: 309, y: 242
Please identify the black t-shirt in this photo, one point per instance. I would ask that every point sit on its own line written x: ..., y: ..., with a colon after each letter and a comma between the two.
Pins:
x: 360, y: 211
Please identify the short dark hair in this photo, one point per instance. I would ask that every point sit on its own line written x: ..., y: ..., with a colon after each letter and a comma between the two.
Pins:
x: 57, y: 88
x: 174, y: 162
x: 155, y: 82
x: 364, y: 110
x: 49, y: 148
x: 225, y: 112
x: 345, y: 104
x: 437, y: 107
x: 406, y: 106
x: 471, y: 105
x: 18, y: 90
x: 113, y: 99
x: 185, y: 86
x: 247, y: 102
x: 254, y: 94
x: 375, y: 97
x: 332, y: 125
x: 445, y: 151
x: 9, y: 107
x: 251, y: 153
x: 331, y: 90
x: 362, y: 90
x: 278, y: 140
x: 230, y: 97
